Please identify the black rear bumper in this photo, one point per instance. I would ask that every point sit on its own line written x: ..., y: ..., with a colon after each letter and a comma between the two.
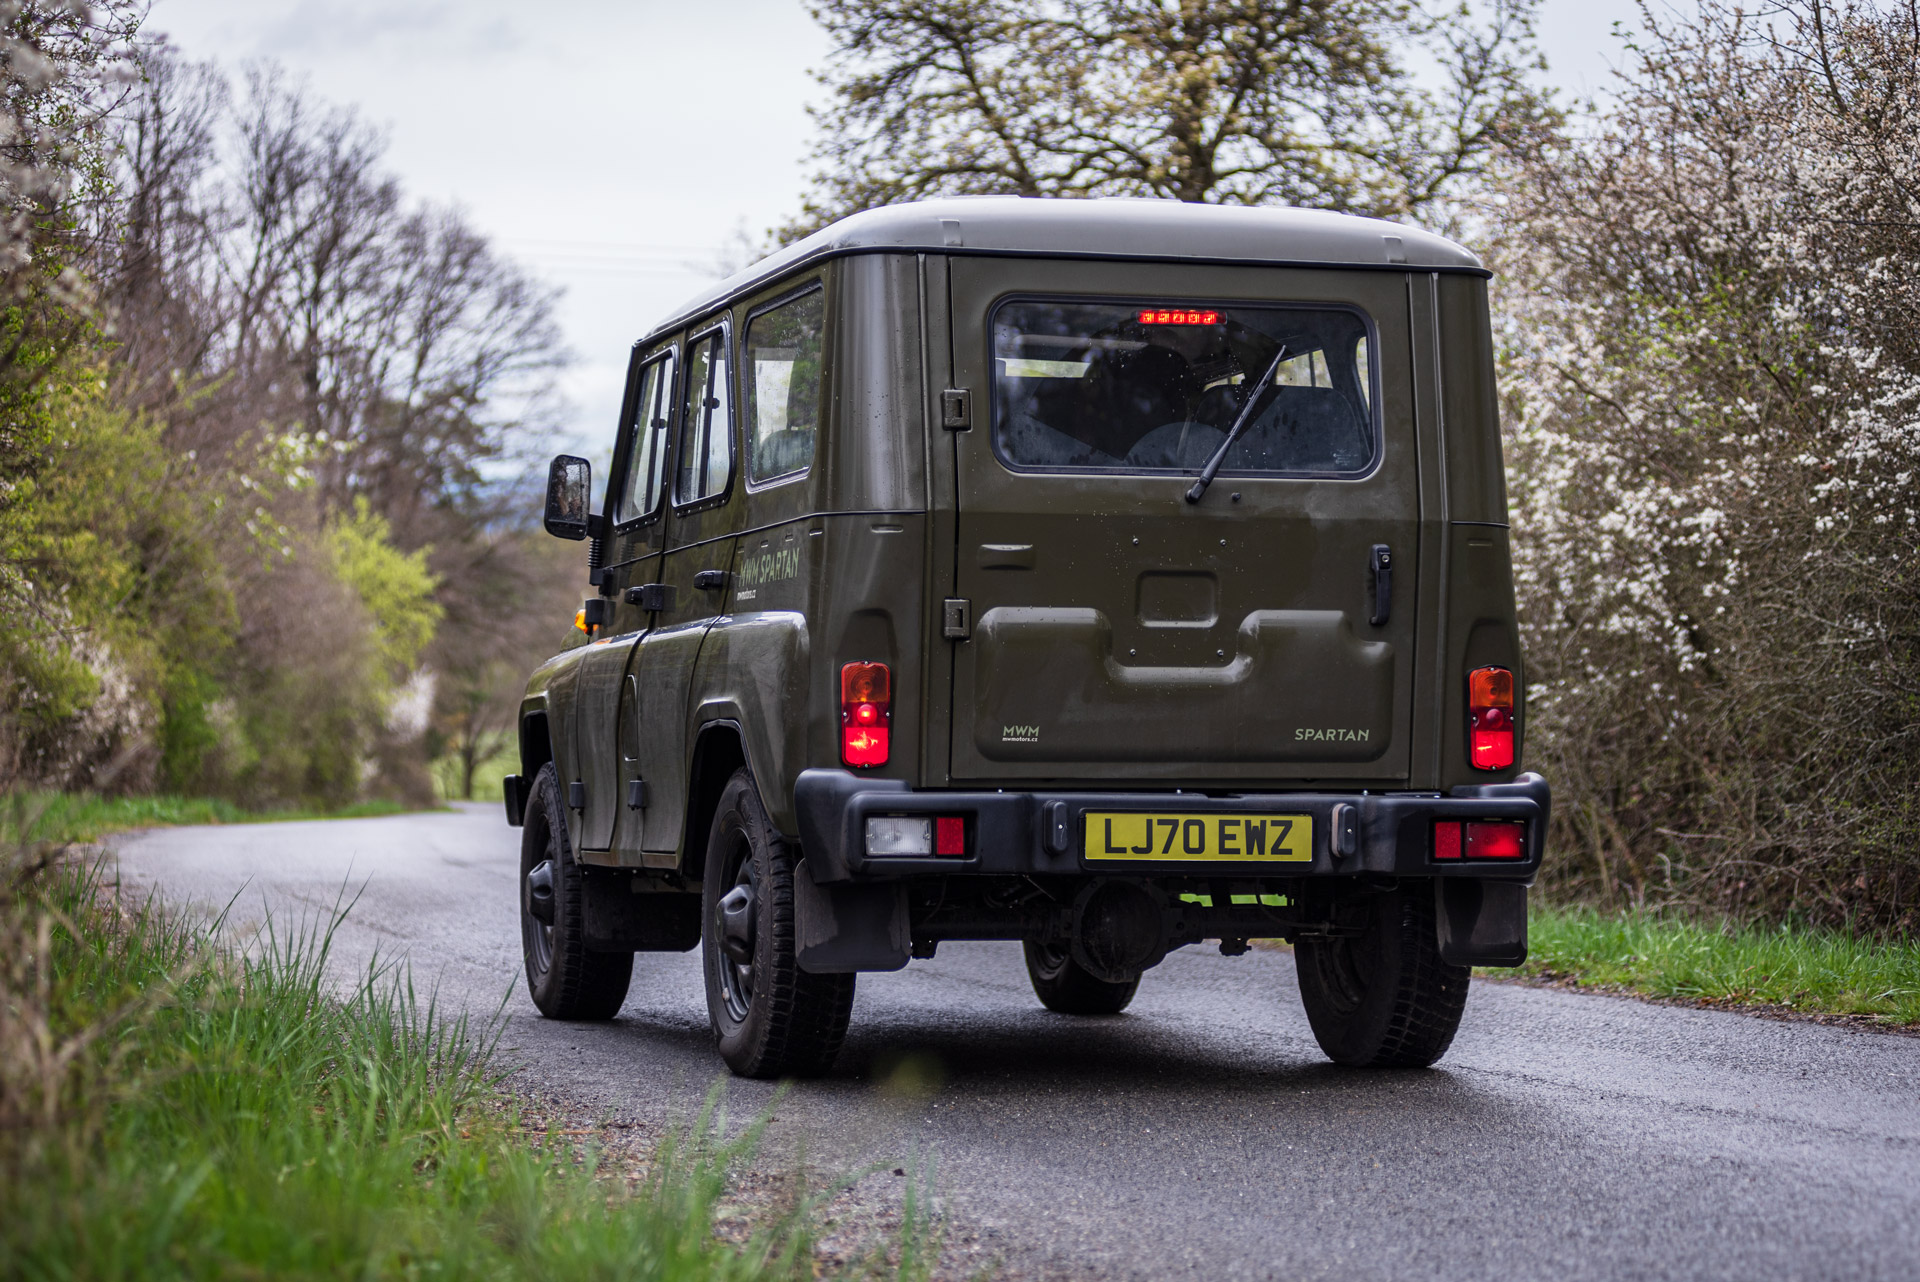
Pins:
x: 1042, y: 832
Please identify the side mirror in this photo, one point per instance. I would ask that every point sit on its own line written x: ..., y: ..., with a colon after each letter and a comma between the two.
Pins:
x: 569, y: 497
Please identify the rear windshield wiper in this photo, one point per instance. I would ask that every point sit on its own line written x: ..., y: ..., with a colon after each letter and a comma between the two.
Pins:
x: 1240, y: 422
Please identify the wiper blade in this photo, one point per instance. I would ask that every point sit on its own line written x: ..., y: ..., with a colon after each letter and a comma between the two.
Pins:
x: 1244, y: 417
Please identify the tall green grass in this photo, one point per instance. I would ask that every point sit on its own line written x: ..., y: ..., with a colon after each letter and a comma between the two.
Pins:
x: 1812, y: 970
x: 224, y: 1116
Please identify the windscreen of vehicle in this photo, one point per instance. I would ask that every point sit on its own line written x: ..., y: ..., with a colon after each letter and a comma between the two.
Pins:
x: 1157, y: 387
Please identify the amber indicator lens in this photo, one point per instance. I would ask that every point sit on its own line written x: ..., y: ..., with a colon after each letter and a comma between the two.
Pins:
x: 1177, y: 316
x: 866, y: 713
x: 1490, y: 718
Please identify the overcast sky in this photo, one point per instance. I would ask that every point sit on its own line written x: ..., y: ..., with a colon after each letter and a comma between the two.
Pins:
x: 612, y: 147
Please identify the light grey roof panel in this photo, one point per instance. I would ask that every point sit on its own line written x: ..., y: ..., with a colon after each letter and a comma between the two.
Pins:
x: 1146, y: 229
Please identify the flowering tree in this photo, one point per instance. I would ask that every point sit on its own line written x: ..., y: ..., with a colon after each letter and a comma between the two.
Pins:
x: 1713, y: 384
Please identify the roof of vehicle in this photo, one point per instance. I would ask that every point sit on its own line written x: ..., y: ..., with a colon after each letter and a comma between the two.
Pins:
x: 1137, y: 228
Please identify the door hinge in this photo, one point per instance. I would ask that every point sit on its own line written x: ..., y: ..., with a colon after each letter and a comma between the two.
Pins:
x: 636, y: 794
x: 577, y: 795
x: 956, y: 409
x: 711, y: 580
x: 654, y: 598
x: 956, y: 618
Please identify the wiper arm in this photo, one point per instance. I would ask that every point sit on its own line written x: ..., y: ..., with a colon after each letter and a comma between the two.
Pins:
x: 1240, y: 422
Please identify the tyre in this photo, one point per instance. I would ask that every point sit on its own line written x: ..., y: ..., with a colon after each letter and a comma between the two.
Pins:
x: 1066, y: 988
x: 1381, y: 997
x: 771, y: 1018
x: 566, y: 981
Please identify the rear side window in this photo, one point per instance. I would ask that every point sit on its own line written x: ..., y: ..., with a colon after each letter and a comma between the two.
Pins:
x: 646, y: 463
x: 706, y: 422
x: 782, y: 355
x: 1153, y: 388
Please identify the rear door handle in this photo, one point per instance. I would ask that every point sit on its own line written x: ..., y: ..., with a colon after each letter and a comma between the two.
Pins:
x: 1381, y: 564
x: 710, y: 580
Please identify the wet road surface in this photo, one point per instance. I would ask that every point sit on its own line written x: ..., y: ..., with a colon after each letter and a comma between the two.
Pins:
x: 1201, y: 1134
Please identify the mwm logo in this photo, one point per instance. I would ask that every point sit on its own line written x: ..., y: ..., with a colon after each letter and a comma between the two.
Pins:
x: 1019, y: 734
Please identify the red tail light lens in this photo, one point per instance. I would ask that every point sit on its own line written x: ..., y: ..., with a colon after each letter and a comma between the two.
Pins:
x: 1496, y: 841
x: 1480, y: 839
x: 1490, y: 718
x: 950, y: 835
x: 866, y: 713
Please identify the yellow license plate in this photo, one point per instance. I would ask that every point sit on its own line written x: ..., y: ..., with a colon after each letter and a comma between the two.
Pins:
x: 1114, y: 837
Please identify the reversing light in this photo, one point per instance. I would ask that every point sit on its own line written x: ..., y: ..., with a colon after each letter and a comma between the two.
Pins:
x: 1177, y: 316
x: 1479, y: 839
x: 866, y: 713
x: 1490, y: 718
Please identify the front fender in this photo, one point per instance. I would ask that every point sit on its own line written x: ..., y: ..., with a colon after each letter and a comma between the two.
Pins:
x: 546, y: 722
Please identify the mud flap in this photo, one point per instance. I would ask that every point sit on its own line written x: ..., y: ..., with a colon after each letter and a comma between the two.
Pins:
x: 843, y: 928
x: 1482, y: 923
x: 619, y: 920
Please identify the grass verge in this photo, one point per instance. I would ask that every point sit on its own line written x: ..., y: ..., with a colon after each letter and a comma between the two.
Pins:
x: 172, y: 1110
x: 70, y: 816
x: 1805, y: 971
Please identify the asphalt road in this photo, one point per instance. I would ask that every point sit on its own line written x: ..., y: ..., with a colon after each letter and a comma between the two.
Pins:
x: 1200, y: 1135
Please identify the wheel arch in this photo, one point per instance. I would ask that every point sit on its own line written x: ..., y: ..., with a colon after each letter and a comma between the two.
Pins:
x: 718, y: 751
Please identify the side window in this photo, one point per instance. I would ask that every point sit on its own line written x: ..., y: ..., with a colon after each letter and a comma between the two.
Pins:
x: 782, y: 354
x: 646, y: 466
x: 706, y: 421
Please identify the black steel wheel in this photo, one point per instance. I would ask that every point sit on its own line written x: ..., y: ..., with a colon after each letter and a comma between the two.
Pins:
x: 1380, y: 997
x: 1068, y: 988
x: 771, y: 1018
x: 566, y: 980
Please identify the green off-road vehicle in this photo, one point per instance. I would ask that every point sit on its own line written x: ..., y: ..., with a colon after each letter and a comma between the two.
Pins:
x: 1104, y: 575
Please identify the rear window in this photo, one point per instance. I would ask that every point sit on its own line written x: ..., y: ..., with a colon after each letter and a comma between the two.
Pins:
x: 1155, y: 387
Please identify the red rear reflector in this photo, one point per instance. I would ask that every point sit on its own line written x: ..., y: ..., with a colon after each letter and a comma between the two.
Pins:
x: 1177, y: 316
x: 866, y: 713
x: 1492, y: 840
x: 949, y: 835
x: 1446, y: 840
x: 1490, y: 718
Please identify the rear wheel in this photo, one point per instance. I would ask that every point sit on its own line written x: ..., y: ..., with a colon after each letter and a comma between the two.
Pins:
x: 566, y: 981
x: 771, y: 1018
x: 1067, y: 988
x: 1381, y: 997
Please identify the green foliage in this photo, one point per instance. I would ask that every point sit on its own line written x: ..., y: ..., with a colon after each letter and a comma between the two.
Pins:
x: 1810, y: 969
x: 396, y: 587
x: 109, y: 577
x: 226, y: 1116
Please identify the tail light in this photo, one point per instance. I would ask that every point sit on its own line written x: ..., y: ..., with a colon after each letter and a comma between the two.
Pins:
x: 1479, y: 839
x: 866, y: 713
x: 1490, y: 718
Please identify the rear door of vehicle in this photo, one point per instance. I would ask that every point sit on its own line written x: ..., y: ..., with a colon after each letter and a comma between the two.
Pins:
x: 1121, y: 632
x: 707, y: 507
x: 606, y: 687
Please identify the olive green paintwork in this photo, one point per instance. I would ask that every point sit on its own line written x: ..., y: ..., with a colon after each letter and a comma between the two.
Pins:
x: 1120, y: 637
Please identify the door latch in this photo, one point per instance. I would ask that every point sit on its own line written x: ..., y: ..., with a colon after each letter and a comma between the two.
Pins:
x: 711, y: 580
x: 654, y: 598
x: 956, y: 409
x: 1382, y: 568
x: 956, y: 618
